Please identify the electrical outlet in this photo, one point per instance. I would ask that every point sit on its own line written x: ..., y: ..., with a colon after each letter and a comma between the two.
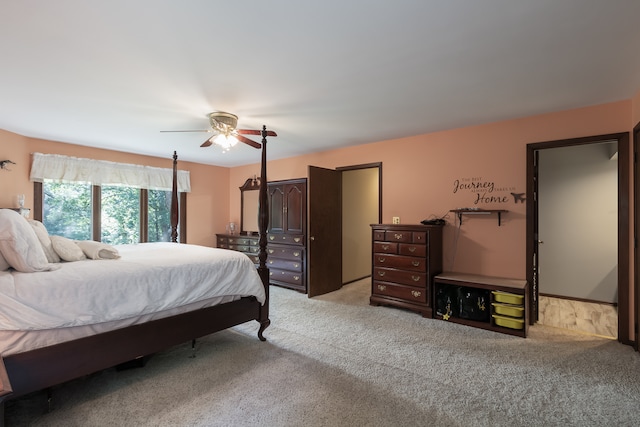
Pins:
x: 396, y: 220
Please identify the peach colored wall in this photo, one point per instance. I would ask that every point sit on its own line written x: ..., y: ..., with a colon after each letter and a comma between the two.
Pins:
x: 419, y: 174
x: 207, y: 203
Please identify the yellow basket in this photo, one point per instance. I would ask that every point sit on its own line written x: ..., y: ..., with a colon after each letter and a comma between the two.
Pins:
x: 508, y: 310
x: 507, y: 298
x: 508, y: 322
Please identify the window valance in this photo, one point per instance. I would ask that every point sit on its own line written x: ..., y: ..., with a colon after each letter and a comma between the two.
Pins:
x: 100, y: 172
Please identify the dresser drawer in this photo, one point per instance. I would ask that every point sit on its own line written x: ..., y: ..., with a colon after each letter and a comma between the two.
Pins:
x: 291, y: 253
x: 385, y: 247
x: 419, y: 236
x: 378, y: 235
x: 241, y: 241
x: 292, y: 277
x: 412, y: 249
x: 245, y: 248
x: 411, y: 278
x: 400, y: 261
x: 284, y: 264
x: 407, y: 293
x: 222, y: 241
x: 398, y: 236
x: 289, y: 239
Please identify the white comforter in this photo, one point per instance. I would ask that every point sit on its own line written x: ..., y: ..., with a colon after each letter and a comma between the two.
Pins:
x: 149, y: 277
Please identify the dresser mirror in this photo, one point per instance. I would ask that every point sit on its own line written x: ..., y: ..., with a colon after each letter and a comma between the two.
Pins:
x: 249, y: 206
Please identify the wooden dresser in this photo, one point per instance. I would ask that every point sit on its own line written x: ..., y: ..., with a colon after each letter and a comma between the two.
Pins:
x: 405, y: 260
x: 247, y: 244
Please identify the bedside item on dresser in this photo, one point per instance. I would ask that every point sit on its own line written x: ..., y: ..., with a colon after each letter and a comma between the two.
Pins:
x: 405, y: 260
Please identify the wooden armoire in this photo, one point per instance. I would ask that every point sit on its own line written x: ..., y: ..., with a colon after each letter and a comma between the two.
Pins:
x: 287, y: 233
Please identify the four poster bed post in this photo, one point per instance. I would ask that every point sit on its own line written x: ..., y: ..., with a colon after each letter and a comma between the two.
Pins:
x: 44, y: 367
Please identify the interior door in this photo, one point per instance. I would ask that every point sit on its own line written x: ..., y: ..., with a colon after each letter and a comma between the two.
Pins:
x: 324, y: 195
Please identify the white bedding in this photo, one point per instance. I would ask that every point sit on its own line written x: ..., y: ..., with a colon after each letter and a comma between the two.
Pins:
x: 148, y: 278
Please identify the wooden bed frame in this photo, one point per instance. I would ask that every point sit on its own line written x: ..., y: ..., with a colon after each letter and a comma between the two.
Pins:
x: 39, y: 369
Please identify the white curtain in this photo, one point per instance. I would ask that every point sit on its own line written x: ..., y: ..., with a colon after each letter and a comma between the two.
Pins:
x: 100, y: 172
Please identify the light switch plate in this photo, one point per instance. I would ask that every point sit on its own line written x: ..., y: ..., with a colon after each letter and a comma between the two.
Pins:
x: 396, y: 220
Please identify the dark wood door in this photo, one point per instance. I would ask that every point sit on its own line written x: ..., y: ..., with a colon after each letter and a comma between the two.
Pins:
x: 325, y: 231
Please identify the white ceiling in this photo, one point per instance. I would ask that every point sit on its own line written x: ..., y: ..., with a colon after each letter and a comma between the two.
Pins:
x: 324, y: 74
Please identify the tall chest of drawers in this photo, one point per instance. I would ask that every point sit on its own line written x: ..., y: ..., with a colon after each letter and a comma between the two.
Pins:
x: 404, y: 262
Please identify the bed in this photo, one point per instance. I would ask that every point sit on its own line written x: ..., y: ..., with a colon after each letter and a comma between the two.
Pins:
x: 35, y: 359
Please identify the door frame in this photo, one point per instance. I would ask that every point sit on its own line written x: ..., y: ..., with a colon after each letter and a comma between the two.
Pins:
x: 636, y: 222
x: 624, y: 253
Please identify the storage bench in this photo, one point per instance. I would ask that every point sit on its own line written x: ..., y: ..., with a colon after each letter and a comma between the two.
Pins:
x: 493, y: 303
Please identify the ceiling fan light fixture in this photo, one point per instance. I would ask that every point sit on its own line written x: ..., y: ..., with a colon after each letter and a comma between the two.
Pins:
x: 223, y: 122
x: 226, y: 142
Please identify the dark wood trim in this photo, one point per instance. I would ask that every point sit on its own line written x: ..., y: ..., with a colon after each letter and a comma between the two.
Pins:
x: 636, y: 224
x: 38, y: 201
x: 624, y: 253
x: 96, y: 217
x: 144, y: 215
x: 182, y: 224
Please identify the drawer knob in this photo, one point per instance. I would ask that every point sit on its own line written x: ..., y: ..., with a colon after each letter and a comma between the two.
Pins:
x: 412, y: 248
x: 385, y: 247
x: 381, y: 273
x: 296, y: 239
x: 415, y: 278
x: 415, y: 263
x: 381, y: 287
x: 270, y: 261
x: 296, y: 278
x: 397, y: 236
x: 296, y: 254
x: 381, y: 259
x: 416, y: 294
x: 296, y: 265
x: 272, y: 237
x: 271, y: 251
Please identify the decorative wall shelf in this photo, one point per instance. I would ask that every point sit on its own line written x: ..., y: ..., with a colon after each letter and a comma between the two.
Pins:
x: 472, y: 211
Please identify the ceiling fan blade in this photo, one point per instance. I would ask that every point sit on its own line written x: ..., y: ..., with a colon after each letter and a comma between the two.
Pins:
x: 207, y: 143
x: 202, y: 130
x: 254, y: 132
x: 248, y: 141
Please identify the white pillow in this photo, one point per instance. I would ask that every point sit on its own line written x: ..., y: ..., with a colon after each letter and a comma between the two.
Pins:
x: 45, y: 241
x: 67, y: 249
x: 4, y: 265
x: 20, y: 245
x: 97, y: 250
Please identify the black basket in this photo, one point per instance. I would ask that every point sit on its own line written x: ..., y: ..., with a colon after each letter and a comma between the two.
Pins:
x: 473, y: 304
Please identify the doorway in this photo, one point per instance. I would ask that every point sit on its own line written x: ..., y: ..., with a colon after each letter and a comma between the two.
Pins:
x: 361, y: 203
x: 327, y: 224
x: 534, y: 239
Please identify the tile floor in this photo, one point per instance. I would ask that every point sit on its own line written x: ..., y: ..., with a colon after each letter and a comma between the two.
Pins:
x: 589, y: 318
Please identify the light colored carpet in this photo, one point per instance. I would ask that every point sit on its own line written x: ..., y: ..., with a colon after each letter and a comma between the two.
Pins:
x: 336, y: 361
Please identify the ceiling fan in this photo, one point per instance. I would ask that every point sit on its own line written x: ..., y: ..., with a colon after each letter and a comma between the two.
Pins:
x: 223, y: 126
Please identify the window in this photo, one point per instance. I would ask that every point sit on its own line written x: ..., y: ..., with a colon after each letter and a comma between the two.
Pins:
x: 67, y: 211
x: 60, y: 199
x: 85, y: 199
x: 159, y: 220
x: 119, y: 215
